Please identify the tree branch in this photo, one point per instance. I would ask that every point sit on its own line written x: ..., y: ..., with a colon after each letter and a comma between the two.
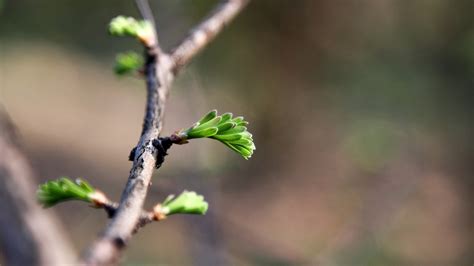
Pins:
x: 106, y: 250
x: 160, y: 69
x: 144, y: 219
x: 205, y: 32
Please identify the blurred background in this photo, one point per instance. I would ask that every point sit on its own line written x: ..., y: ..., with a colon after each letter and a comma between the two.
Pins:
x: 362, y: 113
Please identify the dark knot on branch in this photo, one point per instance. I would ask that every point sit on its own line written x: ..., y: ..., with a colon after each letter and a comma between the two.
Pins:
x: 161, y: 144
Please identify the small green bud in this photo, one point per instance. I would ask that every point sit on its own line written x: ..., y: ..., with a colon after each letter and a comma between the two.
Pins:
x: 188, y: 202
x: 127, y: 26
x: 123, y: 26
x: 63, y: 189
x: 127, y: 62
x: 230, y: 131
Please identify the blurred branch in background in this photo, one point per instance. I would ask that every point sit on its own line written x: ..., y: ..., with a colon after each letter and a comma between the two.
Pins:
x: 29, y: 235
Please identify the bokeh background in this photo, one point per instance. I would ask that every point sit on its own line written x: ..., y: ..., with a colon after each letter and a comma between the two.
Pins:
x: 362, y: 113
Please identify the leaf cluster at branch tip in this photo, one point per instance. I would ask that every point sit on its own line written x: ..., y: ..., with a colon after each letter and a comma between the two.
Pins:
x: 63, y: 189
x: 188, y: 202
x: 128, y: 26
x: 127, y: 62
x: 230, y: 131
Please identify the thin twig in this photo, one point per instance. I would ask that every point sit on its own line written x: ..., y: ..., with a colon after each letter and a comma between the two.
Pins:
x: 145, y: 10
x: 160, y: 69
x: 205, y: 32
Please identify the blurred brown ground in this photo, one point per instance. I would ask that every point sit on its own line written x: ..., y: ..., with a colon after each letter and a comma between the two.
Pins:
x: 362, y: 113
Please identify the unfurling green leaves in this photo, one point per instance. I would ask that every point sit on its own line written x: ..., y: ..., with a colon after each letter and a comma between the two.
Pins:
x: 127, y: 26
x: 226, y: 129
x: 127, y: 62
x: 63, y: 189
x: 140, y: 29
x: 188, y: 202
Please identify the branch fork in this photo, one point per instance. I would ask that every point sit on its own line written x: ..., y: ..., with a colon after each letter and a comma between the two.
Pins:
x: 160, y: 70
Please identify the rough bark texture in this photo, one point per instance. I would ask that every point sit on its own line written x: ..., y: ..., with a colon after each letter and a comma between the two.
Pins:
x: 160, y: 70
x: 28, y: 234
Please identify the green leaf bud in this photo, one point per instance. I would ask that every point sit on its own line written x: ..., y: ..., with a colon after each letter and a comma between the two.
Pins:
x: 63, y: 189
x: 127, y: 62
x: 188, y: 202
x: 230, y: 131
x: 127, y: 26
